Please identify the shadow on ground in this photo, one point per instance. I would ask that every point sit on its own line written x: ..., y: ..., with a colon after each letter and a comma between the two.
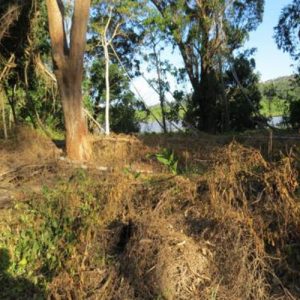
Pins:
x: 14, y: 288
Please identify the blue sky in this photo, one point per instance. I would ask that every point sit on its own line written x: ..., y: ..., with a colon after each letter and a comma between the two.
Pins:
x: 270, y: 61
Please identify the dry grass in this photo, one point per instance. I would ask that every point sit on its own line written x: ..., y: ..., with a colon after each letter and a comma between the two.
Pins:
x: 195, y: 153
x: 231, y: 232
x: 26, y: 146
x: 120, y: 151
x: 165, y: 262
x: 255, y: 212
x: 8, y: 18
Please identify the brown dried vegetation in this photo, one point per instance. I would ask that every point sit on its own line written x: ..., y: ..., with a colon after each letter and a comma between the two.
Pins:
x: 8, y: 18
x: 230, y: 232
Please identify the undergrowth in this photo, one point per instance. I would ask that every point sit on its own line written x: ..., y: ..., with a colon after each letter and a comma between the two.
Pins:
x: 257, y: 215
x: 231, y: 232
x: 48, y: 229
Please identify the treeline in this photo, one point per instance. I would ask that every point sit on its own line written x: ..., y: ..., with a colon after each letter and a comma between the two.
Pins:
x: 125, y: 38
x: 281, y: 97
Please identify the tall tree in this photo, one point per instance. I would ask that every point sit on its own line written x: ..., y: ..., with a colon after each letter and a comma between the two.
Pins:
x: 68, y: 69
x: 161, y: 68
x: 108, y: 28
x: 113, y: 36
x: 199, y: 28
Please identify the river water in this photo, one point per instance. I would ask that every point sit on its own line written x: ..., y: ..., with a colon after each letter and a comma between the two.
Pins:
x: 154, y: 127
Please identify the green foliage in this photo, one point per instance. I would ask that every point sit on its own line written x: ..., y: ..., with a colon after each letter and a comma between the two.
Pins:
x: 30, y: 91
x: 270, y: 91
x: 49, y: 229
x: 281, y: 98
x: 16, y: 287
x: 270, y: 104
x: 125, y: 15
x: 287, y: 30
x: 293, y: 117
x: 244, y: 97
x: 272, y: 108
x: 242, y: 94
x: 131, y: 172
x: 168, y: 159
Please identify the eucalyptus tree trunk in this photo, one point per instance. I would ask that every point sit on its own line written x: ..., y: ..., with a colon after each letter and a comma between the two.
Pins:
x: 68, y: 69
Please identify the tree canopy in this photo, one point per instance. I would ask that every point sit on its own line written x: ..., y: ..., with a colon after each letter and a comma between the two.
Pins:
x: 287, y: 32
x: 121, y: 37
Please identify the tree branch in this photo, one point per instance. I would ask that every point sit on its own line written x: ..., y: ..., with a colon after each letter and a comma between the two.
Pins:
x: 78, y: 30
x: 57, y: 30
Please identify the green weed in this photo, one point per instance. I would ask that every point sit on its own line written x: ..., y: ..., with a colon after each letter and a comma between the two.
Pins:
x: 131, y: 172
x: 168, y: 159
x: 49, y: 229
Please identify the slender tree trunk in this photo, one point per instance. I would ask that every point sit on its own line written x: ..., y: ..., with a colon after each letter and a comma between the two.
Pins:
x: 3, y: 115
x: 225, y: 113
x: 160, y: 89
x: 68, y: 69
x: 12, y: 103
x: 107, y: 87
x: 162, y: 100
x: 163, y: 113
x: 13, y: 111
x: 10, y: 120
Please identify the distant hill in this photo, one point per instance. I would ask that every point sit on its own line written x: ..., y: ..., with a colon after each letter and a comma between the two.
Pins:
x: 285, y: 90
x: 282, y: 84
x: 280, y: 79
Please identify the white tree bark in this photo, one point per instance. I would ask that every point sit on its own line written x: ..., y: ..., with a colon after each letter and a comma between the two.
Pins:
x: 106, y: 41
x: 107, y: 86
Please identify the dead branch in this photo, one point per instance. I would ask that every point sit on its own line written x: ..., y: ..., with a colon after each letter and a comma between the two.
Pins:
x: 88, y: 114
x: 9, y: 65
x: 8, y: 19
x: 29, y: 169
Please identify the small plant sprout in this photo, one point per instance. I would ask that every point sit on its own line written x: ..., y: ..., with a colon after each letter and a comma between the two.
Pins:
x: 168, y: 159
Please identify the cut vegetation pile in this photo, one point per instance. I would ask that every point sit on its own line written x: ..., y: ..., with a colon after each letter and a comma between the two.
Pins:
x: 231, y: 232
x: 26, y: 146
